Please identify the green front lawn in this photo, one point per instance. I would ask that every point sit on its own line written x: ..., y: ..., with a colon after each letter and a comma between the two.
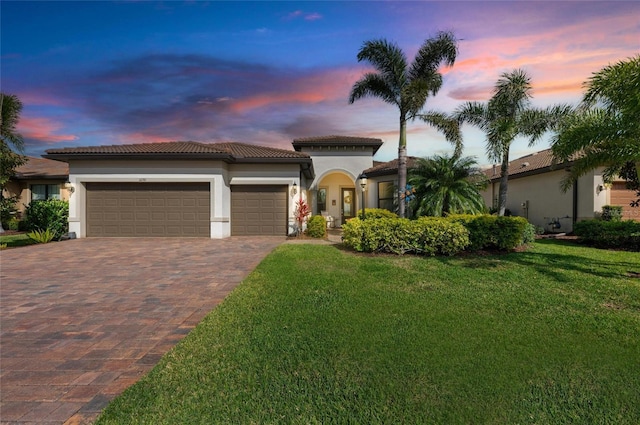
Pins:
x: 319, y: 335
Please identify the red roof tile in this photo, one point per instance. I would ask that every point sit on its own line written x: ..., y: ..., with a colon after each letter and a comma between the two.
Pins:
x: 334, y: 140
x: 388, y: 168
x: 532, y: 163
x: 40, y: 168
x: 244, y: 150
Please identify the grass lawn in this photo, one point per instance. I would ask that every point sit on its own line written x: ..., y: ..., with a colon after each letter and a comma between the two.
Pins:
x: 320, y: 335
x: 20, y: 239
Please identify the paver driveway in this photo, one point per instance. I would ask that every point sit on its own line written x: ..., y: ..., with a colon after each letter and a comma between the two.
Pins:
x: 84, y: 319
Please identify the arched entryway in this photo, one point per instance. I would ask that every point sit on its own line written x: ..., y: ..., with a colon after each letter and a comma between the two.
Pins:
x: 335, y: 196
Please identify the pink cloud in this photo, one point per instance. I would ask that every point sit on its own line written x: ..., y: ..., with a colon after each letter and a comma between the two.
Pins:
x: 313, y: 16
x: 316, y: 88
x: 43, y: 130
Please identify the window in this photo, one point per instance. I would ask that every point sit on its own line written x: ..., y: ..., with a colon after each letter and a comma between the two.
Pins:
x: 386, y: 195
x: 42, y: 192
x: 322, y: 200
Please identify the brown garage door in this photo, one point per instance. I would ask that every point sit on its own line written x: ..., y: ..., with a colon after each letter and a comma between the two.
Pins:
x: 148, y: 209
x: 622, y: 196
x: 259, y: 210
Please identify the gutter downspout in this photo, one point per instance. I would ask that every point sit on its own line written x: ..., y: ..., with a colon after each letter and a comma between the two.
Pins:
x: 574, y: 219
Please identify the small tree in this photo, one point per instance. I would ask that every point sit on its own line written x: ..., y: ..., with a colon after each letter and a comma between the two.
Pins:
x: 301, y: 213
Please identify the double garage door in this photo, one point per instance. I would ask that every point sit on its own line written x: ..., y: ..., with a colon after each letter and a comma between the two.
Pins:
x: 180, y: 209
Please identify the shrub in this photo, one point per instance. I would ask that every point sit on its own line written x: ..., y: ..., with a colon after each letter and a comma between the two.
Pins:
x: 379, y: 213
x: 13, y: 224
x: 51, y: 214
x: 317, y: 226
x: 3, y: 246
x: 624, y: 234
x: 612, y: 213
x: 494, y: 232
x: 7, y: 209
x: 427, y: 236
x: 41, y: 236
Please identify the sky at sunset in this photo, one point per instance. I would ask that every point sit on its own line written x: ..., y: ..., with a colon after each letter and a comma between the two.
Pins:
x: 102, y: 73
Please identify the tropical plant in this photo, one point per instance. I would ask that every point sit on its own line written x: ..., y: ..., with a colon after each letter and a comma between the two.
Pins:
x: 42, y: 236
x: 605, y: 130
x: 301, y: 213
x: 447, y: 185
x: 403, y: 85
x: 507, y: 115
x: 10, y: 108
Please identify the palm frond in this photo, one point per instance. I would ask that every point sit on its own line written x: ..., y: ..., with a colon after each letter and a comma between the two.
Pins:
x: 447, y: 125
x: 373, y: 85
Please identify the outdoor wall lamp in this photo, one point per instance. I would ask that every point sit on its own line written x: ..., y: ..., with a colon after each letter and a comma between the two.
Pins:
x: 363, y: 185
x: 294, y: 189
x: 69, y: 187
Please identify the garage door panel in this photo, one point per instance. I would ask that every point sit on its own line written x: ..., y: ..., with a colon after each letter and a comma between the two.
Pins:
x: 259, y: 210
x: 148, y: 209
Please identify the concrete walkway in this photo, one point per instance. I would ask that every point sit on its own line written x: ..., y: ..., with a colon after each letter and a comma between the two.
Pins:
x: 84, y: 319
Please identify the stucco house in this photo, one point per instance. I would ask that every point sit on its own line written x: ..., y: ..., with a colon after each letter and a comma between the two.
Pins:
x: 213, y: 189
x: 37, y: 179
x: 534, y: 193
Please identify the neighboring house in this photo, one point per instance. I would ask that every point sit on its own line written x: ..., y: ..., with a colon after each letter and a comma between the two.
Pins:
x: 37, y: 179
x: 534, y: 193
x: 382, y: 180
x: 211, y: 190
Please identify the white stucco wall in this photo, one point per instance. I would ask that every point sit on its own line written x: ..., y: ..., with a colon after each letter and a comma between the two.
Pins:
x: 547, y: 203
x: 218, y: 174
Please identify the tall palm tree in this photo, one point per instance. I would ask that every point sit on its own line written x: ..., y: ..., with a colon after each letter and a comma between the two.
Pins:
x: 11, y: 107
x: 10, y: 139
x: 403, y: 85
x: 447, y: 185
x: 506, y: 116
x: 605, y: 129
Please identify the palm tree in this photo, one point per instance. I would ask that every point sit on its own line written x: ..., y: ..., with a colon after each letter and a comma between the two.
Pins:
x: 403, y: 85
x: 447, y: 185
x: 605, y: 129
x: 10, y: 139
x: 11, y: 107
x: 507, y: 115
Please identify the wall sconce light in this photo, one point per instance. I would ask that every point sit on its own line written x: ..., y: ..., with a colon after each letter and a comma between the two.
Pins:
x: 294, y: 189
x: 363, y: 185
x: 69, y: 187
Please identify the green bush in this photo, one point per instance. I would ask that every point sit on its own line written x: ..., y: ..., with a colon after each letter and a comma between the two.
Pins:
x: 7, y: 209
x: 426, y: 236
x: 317, y: 226
x: 378, y: 213
x: 624, y: 234
x: 13, y: 224
x: 42, y: 236
x: 494, y: 232
x: 52, y: 214
x: 612, y: 213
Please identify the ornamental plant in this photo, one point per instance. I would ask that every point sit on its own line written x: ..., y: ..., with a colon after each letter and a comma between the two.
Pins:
x: 302, y: 212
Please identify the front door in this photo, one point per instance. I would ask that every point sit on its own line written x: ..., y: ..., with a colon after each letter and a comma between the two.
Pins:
x: 348, y: 204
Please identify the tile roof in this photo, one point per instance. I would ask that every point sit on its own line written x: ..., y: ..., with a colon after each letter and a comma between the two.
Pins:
x: 40, y: 168
x: 335, y: 140
x: 388, y: 168
x: 536, y: 162
x: 229, y: 151
x: 244, y: 150
x: 142, y: 148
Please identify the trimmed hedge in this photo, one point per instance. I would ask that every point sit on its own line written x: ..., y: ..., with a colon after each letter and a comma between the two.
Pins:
x: 496, y: 232
x: 437, y: 235
x: 400, y: 236
x: 317, y: 226
x: 624, y: 234
x: 378, y: 213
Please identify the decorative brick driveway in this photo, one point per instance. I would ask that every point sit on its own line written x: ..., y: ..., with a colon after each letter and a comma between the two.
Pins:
x: 84, y: 319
